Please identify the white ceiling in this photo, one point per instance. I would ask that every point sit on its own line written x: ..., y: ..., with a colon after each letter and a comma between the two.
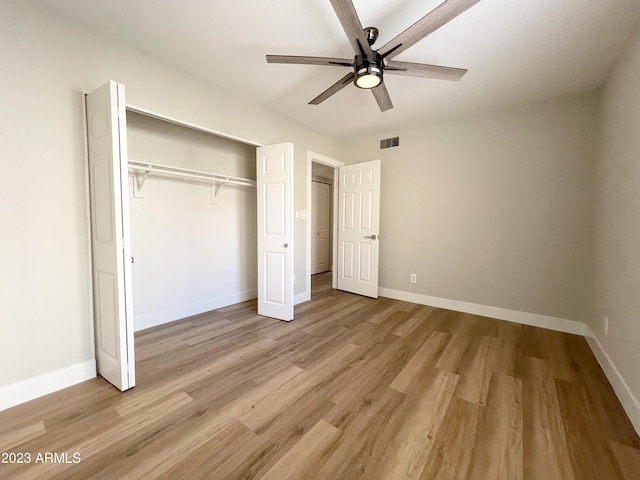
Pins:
x: 516, y: 51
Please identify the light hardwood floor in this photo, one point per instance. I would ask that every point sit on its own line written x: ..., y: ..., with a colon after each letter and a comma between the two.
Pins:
x: 352, y: 388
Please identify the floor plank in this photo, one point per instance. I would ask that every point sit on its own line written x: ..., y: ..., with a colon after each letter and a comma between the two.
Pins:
x: 543, y: 426
x: 497, y: 452
x: 409, y: 449
x: 628, y: 459
x: 590, y: 458
x: 304, y: 454
x: 427, y: 356
x: 451, y: 453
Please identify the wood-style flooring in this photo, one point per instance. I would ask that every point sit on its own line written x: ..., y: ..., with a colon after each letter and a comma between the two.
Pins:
x: 352, y: 388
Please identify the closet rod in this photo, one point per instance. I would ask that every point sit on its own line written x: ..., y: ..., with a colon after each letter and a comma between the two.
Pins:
x: 167, y: 170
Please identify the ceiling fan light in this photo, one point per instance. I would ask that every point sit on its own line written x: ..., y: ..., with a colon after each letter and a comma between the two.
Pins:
x: 368, y: 77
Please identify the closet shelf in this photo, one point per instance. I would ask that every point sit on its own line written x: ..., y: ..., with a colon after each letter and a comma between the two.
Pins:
x: 142, y: 170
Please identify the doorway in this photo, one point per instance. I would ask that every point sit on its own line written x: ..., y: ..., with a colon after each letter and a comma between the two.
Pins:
x: 321, y: 245
x: 321, y: 170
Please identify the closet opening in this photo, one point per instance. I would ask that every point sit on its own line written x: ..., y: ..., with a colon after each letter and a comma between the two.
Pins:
x: 192, y: 201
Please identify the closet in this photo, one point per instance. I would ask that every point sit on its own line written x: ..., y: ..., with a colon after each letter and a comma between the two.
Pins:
x: 192, y: 203
x: 183, y: 220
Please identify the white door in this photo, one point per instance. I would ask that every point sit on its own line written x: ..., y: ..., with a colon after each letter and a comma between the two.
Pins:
x: 359, y: 228
x: 110, y: 245
x: 274, y: 178
x: 320, y: 221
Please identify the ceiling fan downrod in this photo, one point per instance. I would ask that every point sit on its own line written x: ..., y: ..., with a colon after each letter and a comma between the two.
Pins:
x: 371, y: 33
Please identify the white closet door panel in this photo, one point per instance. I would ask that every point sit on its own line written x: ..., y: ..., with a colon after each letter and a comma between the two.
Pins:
x: 274, y: 170
x: 358, y: 228
x: 106, y: 129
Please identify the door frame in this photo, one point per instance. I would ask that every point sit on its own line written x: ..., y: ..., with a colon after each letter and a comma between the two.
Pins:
x: 87, y: 204
x: 335, y: 164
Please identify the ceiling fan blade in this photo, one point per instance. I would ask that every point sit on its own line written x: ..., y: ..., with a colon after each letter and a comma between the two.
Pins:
x: 351, y: 25
x: 382, y: 97
x: 424, y: 70
x: 335, y: 88
x: 433, y: 20
x: 336, y: 62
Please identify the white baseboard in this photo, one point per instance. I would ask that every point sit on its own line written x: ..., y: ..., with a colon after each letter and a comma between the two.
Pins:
x: 628, y: 400
x: 526, y: 318
x: 301, y: 297
x: 140, y: 322
x: 25, y: 390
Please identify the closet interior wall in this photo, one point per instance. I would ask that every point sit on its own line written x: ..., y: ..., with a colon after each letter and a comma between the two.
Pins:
x: 190, y: 256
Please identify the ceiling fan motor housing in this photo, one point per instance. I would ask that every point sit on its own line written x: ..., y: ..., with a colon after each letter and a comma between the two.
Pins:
x: 368, y: 74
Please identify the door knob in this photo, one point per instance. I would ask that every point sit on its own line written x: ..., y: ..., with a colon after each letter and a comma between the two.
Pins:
x: 373, y: 237
x: 286, y: 245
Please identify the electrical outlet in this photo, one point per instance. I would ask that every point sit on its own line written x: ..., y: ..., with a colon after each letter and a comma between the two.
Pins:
x: 605, y: 325
x: 413, y: 278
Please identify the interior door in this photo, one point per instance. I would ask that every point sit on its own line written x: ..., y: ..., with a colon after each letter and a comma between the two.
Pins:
x: 359, y: 228
x: 274, y: 178
x: 110, y: 244
x: 320, y: 220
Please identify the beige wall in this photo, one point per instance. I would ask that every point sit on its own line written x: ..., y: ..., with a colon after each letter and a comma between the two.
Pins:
x: 617, y: 227
x: 493, y: 209
x: 44, y: 259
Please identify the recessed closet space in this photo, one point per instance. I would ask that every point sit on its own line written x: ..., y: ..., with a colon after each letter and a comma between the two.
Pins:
x: 193, y: 237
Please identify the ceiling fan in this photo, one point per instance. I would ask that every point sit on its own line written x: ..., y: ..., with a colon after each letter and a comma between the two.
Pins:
x: 369, y: 65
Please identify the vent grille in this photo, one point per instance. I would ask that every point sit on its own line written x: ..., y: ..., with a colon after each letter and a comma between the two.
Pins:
x: 389, y: 142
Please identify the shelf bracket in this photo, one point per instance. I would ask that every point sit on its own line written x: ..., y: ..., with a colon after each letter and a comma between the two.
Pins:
x: 139, y: 179
x: 215, y: 189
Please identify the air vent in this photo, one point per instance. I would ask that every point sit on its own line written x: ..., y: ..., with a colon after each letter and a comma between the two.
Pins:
x: 389, y: 142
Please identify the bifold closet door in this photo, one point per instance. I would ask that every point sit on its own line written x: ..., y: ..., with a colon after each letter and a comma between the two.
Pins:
x: 110, y: 240
x: 274, y: 178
